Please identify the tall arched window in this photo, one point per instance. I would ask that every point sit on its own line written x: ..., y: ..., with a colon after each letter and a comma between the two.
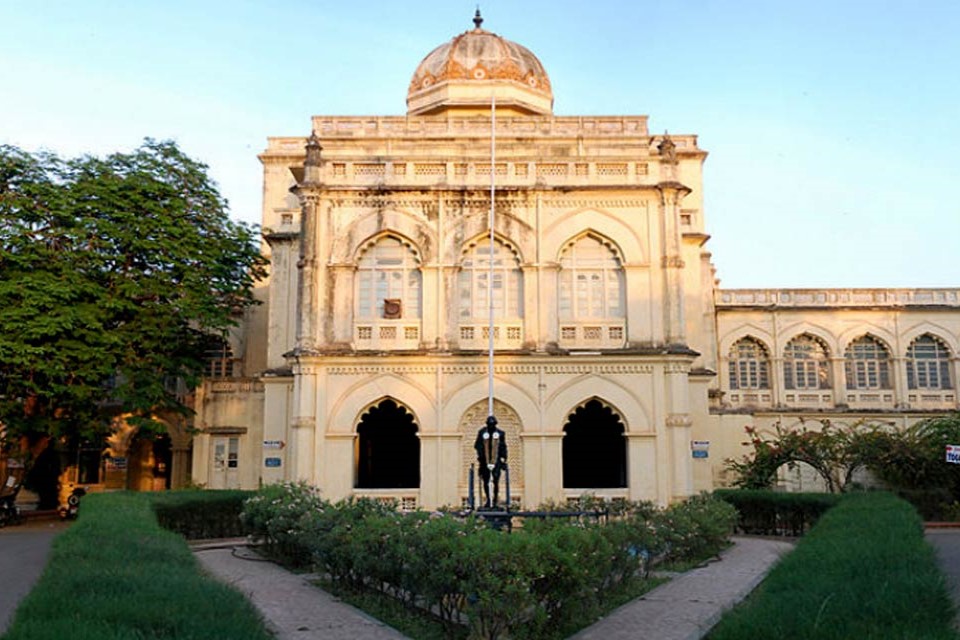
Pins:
x: 476, y: 285
x: 477, y: 288
x: 591, y: 281
x: 748, y: 364
x: 388, y: 271
x: 928, y: 364
x: 867, y: 364
x: 805, y: 364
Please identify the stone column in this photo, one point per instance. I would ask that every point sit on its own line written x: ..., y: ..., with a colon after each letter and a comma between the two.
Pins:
x: 309, y: 282
x: 838, y: 377
x: 671, y: 262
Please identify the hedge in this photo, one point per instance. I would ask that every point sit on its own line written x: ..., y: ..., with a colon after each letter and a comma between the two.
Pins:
x: 115, y: 574
x: 200, y: 515
x: 864, y: 571
x: 539, y: 581
x: 764, y: 512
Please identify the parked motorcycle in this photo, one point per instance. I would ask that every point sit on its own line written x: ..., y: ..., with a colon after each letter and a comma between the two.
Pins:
x: 9, y: 511
x: 70, y: 510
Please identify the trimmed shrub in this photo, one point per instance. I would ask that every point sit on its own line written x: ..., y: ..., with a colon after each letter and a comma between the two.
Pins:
x: 115, y: 574
x: 763, y: 512
x: 200, y: 515
x: 535, y: 582
x: 864, y: 571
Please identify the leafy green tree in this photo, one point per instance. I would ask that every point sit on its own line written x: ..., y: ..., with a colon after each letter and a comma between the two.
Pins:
x: 835, y: 453
x: 116, y: 274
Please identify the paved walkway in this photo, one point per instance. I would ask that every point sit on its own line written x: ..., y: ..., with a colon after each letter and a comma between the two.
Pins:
x: 946, y: 543
x: 24, y: 550
x: 688, y: 606
x: 683, y: 609
x: 293, y: 608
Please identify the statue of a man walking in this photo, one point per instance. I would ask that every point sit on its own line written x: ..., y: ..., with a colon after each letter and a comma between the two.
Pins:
x: 491, y: 446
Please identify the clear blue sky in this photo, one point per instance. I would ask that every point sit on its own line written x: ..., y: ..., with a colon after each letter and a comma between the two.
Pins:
x: 833, y: 126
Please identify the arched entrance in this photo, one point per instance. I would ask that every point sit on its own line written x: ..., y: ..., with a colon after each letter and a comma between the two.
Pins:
x: 594, y: 449
x: 148, y: 463
x: 388, y: 450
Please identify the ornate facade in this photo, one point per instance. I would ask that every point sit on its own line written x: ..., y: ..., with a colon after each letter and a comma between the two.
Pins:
x: 620, y: 369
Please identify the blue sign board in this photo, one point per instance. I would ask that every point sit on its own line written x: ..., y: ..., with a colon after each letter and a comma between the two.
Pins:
x: 700, y: 453
x: 272, y: 462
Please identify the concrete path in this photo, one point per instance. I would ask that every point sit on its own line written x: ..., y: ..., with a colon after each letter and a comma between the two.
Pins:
x: 683, y: 609
x: 24, y: 550
x: 688, y: 606
x: 293, y: 608
x: 946, y: 542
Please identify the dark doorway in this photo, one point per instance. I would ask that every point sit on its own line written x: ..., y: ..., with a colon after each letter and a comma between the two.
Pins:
x: 388, y: 449
x: 594, y: 449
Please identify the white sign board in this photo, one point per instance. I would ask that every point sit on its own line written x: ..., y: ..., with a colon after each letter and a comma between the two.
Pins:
x: 953, y: 453
x: 274, y: 444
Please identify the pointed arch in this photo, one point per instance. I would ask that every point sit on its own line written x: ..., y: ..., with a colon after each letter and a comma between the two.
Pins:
x: 746, y: 329
x: 605, y: 223
x: 594, y: 447
x: 347, y: 245
x: 387, y: 447
x: 354, y: 401
x: 635, y: 417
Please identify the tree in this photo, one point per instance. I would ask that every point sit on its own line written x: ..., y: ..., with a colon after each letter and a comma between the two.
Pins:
x: 835, y: 453
x: 116, y: 274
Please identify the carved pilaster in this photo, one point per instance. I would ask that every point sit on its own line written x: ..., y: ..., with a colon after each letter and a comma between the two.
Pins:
x: 307, y: 294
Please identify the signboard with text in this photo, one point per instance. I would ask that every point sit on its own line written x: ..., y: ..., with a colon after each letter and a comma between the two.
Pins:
x: 700, y: 448
x: 953, y: 453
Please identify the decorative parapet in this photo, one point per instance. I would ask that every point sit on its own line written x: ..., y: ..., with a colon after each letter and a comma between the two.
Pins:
x: 835, y: 298
x: 328, y: 127
x: 533, y: 151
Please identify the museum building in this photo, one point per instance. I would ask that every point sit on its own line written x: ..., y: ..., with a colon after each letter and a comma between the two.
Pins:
x: 620, y: 369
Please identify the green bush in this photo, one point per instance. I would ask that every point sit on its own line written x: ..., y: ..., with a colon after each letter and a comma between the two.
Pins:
x: 764, y: 512
x: 864, y: 571
x: 200, y: 515
x: 115, y: 574
x: 539, y: 581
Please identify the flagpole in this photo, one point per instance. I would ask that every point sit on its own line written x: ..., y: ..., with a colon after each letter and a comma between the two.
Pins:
x: 490, y: 289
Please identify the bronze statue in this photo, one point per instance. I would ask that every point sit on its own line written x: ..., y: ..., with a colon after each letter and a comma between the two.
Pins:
x: 491, y: 446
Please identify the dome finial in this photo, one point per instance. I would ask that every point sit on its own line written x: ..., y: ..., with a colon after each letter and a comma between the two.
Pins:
x: 477, y: 18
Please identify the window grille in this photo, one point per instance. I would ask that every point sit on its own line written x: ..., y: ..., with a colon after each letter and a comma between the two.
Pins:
x: 591, y: 281
x: 928, y: 364
x: 369, y: 170
x: 867, y: 364
x: 431, y: 169
x: 611, y: 169
x: 551, y: 170
x: 805, y: 364
x: 748, y: 364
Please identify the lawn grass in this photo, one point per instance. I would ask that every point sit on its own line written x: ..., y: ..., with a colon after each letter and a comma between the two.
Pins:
x: 864, y: 571
x: 116, y: 575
